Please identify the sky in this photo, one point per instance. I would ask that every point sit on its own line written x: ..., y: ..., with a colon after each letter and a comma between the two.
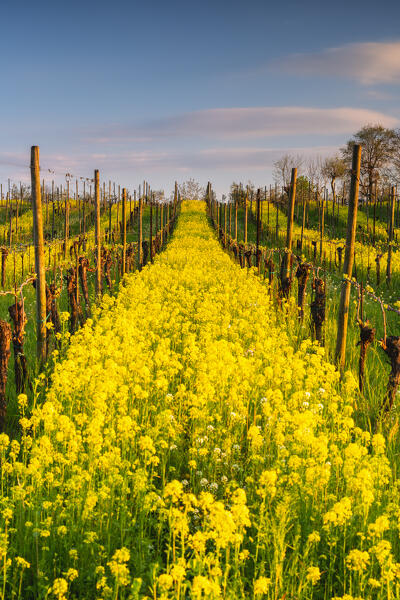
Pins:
x: 164, y: 91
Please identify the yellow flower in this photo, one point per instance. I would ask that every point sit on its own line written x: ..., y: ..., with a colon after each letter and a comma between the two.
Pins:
x: 357, y: 560
x: 59, y: 588
x: 261, y: 586
x: 313, y: 575
x: 165, y: 581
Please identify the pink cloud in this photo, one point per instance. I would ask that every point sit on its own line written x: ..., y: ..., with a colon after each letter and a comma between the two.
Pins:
x: 368, y: 63
x: 248, y: 122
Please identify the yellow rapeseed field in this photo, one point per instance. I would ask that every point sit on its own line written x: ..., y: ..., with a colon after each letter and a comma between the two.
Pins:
x: 185, y: 450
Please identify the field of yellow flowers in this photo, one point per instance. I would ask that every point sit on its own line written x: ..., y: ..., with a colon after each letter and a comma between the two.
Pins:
x: 184, y: 449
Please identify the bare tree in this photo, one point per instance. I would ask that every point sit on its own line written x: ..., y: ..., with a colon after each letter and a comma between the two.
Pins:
x: 314, y: 170
x: 158, y: 196
x: 282, y: 171
x: 191, y: 190
x: 333, y: 168
x: 378, y: 150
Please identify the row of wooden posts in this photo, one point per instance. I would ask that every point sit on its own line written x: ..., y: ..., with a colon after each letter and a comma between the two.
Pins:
x: 286, y: 259
x: 58, y: 199
x: 39, y: 242
x: 46, y: 294
x: 275, y: 199
x: 390, y: 344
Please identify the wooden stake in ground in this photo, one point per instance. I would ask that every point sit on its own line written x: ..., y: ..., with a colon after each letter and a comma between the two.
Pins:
x: 236, y: 216
x: 245, y: 215
x: 123, y: 231
x: 39, y: 257
x: 343, y: 318
x: 151, y: 228
x: 321, y: 228
x: 4, y: 254
x: 258, y: 225
x: 225, y: 223
x: 285, y: 268
x: 140, y: 231
x: 97, y: 233
x: 66, y: 224
x: 390, y: 235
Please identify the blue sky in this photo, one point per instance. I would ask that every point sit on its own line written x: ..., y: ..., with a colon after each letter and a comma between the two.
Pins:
x: 210, y: 90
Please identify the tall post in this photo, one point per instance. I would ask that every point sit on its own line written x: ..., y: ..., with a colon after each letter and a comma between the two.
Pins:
x: 109, y: 217
x: 151, y: 227
x: 53, y: 212
x: 390, y: 234
x: 236, y: 215
x: 245, y: 215
x: 123, y: 231
x: 84, y: 209
x: 162, y: 224
x: 258, y: 223
x: 322, y: 228
x: 303, y: 220
x: 39, y: 257
x: 140, y: 229
x: 97, y: 233
x: 79, y: 208
x: 343, y: 317
x: 156, y: 232
x: 289, y: 230
x: 118, y: 202
x: 66, y: 222
x: 225, y: 222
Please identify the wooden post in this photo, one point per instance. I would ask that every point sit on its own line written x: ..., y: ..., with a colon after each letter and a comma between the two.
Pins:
x: 79, y: 214
x: 109, y: 217
x: 225, y: 222
x: 151, y: 228
x: 303, y: 220
x: 97, y: 233
x: 343, y: 317
x: 66, y: 222
x: 140, y: 229
x: 321, y: 229
x: 84, y: 209
x: 156, y: 232
x: 236, y: 216
x: 39, y: 257
x: 269, y: 201
x: 53, y: 212
x: 390, y: 235
x: 123, y: 231
x: 258, y: 222
x: 118, y: 202
x: 245, y: 216
x: 162, y: 224
x: 289, y: 230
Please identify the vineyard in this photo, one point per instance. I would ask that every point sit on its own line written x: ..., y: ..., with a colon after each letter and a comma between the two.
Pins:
x: 201, y: 400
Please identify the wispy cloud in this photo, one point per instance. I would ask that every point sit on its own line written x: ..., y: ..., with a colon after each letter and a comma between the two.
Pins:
x: 209, y: 158
x: 259, y: 122
x: 369, y: 63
